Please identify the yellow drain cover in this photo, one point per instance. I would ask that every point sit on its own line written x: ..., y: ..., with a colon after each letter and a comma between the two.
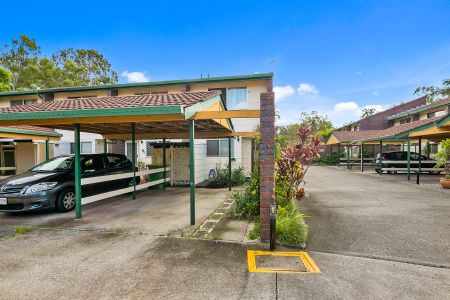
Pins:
x: 280, y: 262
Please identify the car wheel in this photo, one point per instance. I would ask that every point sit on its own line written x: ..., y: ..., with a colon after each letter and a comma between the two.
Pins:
x: 66, y: 201
x: 435, y: 172
x: 392, y: 172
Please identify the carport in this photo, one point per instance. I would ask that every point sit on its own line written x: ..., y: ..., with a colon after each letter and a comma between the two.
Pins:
x: 426, y: 130
x: 156, y: 116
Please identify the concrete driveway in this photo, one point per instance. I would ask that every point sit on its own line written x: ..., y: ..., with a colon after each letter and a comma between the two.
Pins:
x: 362, y: 242
x: 156, y: 212
x: 375, y: 216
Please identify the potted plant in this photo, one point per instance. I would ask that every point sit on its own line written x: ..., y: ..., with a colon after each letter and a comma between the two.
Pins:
x: 443, y: 156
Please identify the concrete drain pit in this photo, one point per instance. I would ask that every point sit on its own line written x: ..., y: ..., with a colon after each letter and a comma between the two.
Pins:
x: 280, y: 262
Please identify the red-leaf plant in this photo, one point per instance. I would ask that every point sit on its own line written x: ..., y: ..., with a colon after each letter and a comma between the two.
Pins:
x: 295, y: 161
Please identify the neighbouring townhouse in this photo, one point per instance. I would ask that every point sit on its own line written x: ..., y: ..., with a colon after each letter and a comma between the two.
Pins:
x: 22, y: 147
x: 238, y: 92
x: 393, y: 126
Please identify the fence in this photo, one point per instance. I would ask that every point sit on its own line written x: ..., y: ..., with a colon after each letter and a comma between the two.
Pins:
x: 97, y: 197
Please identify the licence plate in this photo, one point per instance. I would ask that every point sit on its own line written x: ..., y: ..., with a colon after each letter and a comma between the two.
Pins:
x: 3, y: 201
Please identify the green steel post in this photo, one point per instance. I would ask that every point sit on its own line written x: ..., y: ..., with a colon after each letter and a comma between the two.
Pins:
x: 47, y: 150
x: 192, y: 170
x: 428, y: 150
x: 348, y: 156
x: 339, y: 155
x: 164, y: 162
x: 77, y: 172
x: 133, y: 157
x: 381, y: 157
x: 409, y: 160
x: 420, y: 161
x: 229, y: 163
x: 105, y: 146
x: 362, y: 158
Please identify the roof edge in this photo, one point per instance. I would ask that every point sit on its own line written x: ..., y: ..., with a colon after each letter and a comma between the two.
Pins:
x: 29, y: 132
x: 141, y: 84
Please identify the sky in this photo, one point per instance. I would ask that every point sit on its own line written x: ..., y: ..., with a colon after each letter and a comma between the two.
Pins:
x: 334, y: 57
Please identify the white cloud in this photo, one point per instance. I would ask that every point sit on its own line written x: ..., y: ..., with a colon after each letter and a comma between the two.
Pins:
x: 377, y: 107
x: 350, y: 106
x: 307, y: 89
x: 283, y: 91
x: 133, y: 77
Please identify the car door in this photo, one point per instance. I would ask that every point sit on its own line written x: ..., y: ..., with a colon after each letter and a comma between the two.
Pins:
x: 93, y: 166
x: 117, y: 164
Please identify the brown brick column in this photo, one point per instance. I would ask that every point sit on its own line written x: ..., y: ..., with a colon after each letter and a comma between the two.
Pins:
x: 266, y: 160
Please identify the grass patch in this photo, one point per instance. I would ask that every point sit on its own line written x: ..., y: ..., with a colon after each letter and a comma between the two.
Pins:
x: 20, y: 230
x: 255, y: 233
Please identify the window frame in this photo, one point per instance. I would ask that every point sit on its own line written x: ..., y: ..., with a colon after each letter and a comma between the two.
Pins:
x: 22, y: 102
x: 246, y: 97
x: 220, y: 154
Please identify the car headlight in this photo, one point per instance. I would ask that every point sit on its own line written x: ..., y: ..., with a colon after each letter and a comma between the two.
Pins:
x: 39, y: 187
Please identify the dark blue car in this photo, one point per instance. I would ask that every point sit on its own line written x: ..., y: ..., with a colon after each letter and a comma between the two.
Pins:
x: 51, y: 185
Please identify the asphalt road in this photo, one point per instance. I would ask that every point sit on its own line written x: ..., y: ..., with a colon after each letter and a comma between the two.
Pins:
x: 377, y: 217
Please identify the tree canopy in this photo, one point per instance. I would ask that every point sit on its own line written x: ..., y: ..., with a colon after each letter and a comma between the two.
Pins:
x: 67, y: 67
x: 5, y: 80
x: 320, y: 126
x: 367, y: 112
x: 433, y: 93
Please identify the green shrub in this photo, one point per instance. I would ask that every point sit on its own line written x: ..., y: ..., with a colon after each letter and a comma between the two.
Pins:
x: 247, y: 201
x: 221, y: 179
x: 325, y: 161
x: 291, y: 228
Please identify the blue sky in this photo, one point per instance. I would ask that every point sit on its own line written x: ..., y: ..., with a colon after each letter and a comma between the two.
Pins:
x: 335, y: 57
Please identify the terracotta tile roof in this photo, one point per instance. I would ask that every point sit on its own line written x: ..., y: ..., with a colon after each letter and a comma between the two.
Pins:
x: 356, y: 135
x: 183, y: 99
x: 409, y: 126
x: 363, y: 135
x: 33, y: 130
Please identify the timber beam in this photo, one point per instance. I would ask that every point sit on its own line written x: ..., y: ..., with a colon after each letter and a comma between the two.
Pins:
x: 179, y: 135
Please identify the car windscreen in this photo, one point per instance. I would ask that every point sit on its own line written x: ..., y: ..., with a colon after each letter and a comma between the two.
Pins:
x: 62, y: 163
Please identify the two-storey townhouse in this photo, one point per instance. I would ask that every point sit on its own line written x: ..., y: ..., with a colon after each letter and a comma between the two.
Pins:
x: 238, y: 92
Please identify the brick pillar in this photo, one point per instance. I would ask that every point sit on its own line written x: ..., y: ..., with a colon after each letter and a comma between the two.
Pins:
x: 266, y: 160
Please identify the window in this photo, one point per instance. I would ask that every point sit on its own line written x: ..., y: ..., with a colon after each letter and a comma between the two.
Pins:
x: 129, y: 150
x: 148, y: 149
x: 86, y: 147
x: 436, y: 114
x: 92, y: 163
x: 22, y: 102
x: 218, y: 148
x: 237, y: 98
x: 80, y: 97
x: 152, y: 93
x: 405, y: 121
x: 114, y: 160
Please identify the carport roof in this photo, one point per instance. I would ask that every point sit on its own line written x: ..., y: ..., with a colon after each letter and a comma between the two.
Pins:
x: 28, y: 132
x: 391, y: 133
x: 155, y: 113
